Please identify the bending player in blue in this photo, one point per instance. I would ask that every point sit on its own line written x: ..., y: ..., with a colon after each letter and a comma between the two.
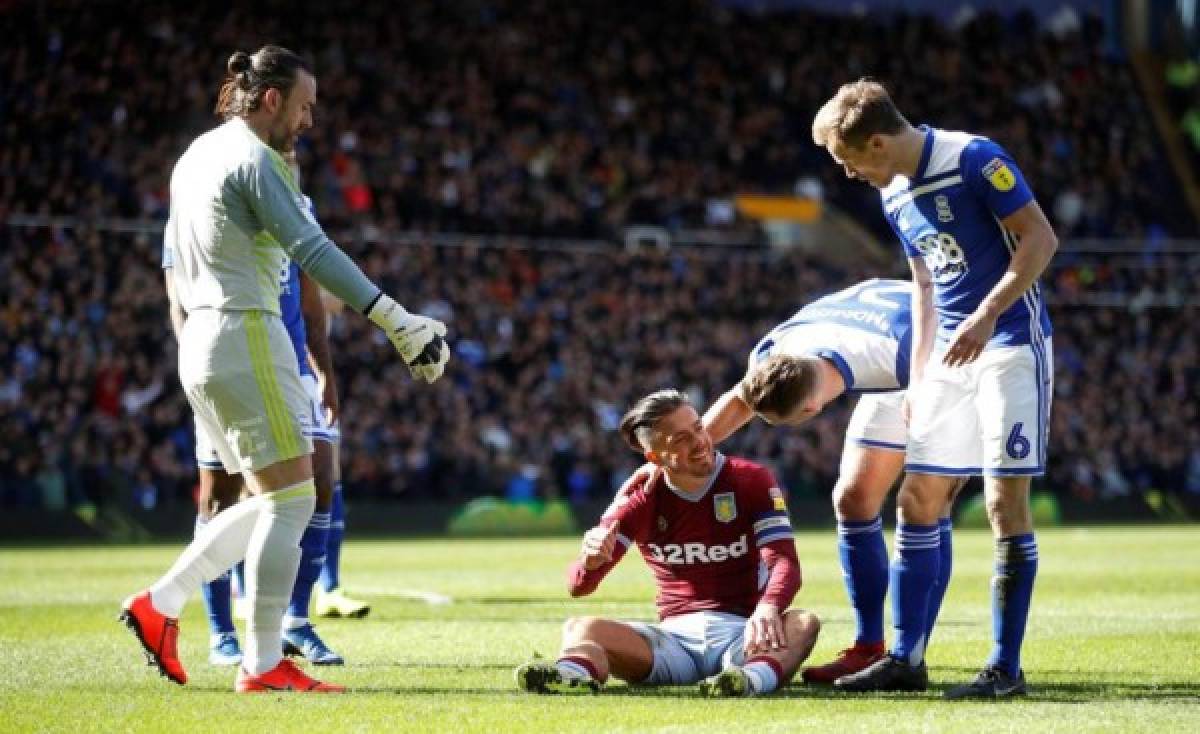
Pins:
x: 303, y: 314
x: 981, y: 364
x: 855, y: 340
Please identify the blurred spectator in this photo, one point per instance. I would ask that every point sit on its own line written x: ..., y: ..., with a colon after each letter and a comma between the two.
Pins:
x: 551, y: 346
x: 536, y: 117
x: 566, y: 120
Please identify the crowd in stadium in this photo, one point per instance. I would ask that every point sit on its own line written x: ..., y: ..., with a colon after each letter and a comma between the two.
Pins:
x: 521, y: 118
x: 539, y: 119
x: 550, y: 348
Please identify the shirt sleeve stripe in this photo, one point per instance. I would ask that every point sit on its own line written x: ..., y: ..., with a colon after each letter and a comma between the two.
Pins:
x: 771, y: 522
x: 772, y: 536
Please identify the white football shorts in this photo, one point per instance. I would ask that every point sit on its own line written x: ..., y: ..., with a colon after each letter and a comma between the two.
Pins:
x: 691, y: 647
x: 319, y: 429
x: 238, y: 370
x: 989, y: 417
x: 878, y: 422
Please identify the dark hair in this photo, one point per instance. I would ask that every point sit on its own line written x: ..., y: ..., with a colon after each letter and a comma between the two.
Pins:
x: 249, y: 77
x: 859, y: 110
x: 639, y: 422
x: 780, y: 383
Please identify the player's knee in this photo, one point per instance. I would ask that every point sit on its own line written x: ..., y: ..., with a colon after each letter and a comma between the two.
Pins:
x: 803, y: 627
x: 322, y: 462
x: 578, y: 629
x: 323, y: 481
x: 919, y: 502
x: 853, y: 501
x: 1005, y: 511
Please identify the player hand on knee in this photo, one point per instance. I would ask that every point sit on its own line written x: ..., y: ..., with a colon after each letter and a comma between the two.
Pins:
x: 418, y: 339
x: 765, y: 630
x: 598, y: 546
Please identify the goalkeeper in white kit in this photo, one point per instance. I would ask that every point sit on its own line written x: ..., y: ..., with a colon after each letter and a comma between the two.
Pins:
x: 235, y: 213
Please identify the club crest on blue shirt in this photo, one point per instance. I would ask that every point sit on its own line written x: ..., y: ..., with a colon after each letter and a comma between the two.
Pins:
x: 725, y: 507
x: 999, y: 175
x: 942, y: 202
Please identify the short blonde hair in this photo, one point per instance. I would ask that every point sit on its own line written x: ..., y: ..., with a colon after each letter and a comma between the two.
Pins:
x: 859, y: 110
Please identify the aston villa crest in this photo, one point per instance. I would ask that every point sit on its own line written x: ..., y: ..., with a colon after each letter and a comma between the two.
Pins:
x: 725, y: 507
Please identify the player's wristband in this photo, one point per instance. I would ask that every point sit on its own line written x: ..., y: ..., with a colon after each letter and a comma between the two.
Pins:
x: 386, y: 313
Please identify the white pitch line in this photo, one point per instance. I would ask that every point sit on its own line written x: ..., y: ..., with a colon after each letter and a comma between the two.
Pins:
x: 431, y: 598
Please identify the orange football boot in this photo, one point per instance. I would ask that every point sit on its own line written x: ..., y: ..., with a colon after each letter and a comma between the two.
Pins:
x: 158, y: 634
x: 283, y: 677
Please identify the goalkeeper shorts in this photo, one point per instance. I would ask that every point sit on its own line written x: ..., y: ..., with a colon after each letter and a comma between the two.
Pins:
x: 239, y: 373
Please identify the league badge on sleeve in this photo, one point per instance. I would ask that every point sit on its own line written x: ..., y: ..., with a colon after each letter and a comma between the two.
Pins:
x: 1000, y: 175
x: 777, y: 500
x: 725, y: 507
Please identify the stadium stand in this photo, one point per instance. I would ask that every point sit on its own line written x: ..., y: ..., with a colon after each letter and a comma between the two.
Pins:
x: 523, y: 119
x: 550, y: 346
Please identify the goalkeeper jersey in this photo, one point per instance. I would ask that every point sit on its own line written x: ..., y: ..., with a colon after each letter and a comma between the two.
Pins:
x: 236, y: 213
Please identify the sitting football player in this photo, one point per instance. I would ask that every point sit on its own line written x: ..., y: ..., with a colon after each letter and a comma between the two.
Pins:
x: 715, y: 532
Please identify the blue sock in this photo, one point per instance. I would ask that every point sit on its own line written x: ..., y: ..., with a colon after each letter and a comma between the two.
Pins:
x: 946, y: 555
x: 914, y: 572
x: 312, y: 559
x: 333, y: 549
x: 216, y: 597
x: 863, y: 553
x: 1012, y: 590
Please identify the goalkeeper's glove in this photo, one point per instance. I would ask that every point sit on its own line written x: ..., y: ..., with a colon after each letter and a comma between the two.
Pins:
x: 417, y: 338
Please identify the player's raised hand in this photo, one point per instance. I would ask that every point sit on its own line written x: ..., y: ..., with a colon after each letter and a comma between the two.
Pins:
x: 599, y: 543
x: 650, y: 471
x: 418, y: 339
x: 969, y: 339
x: 765, y: 631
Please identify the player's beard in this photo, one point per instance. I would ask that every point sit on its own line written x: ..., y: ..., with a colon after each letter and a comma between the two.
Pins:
x: 281, y: 137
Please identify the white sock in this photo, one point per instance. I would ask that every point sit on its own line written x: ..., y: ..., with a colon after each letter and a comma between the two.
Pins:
x: 291, y: 623
x: 572, y: 671
x: 762, y: 677
x: 272, y: 558
x: 216, y: 547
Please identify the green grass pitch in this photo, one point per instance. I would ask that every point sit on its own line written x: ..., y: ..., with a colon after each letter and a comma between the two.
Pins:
x: 1113, y: 645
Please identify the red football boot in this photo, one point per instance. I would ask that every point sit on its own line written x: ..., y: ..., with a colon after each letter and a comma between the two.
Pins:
x: 158, y: 634
x: 850, y: 660
x: 283, y: 677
